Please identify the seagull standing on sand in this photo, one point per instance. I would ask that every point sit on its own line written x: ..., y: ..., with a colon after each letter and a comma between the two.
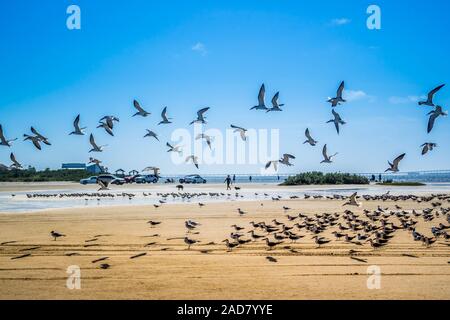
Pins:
x: 275, y: 105
x: 337, y: 120
x: 173, y: 149
x: 394, y: 165
x: 433, y: 116
x: 200, y: 116
x: 3, y: 140
x: 55, y: 235
x: 428, y: 146
x: 141, y: 112
x: 76, y: 124
x: 207, y: 138
x: 190, y: 242
x: 194, y: 160
x: 338, y: 99
x: 261, y: 103
x: 429, y: 101
x: 241, y: 131
x: 310, y: 140
x: 165, y: 120
x: 95, y: 147
x: 150, y: 134
x: 352, y: 201
x: 326, y: 158
x: 15, y: 163
x: 285, y: 159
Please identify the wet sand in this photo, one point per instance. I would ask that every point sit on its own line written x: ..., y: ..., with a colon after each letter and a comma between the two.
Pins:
x: 170, y: 271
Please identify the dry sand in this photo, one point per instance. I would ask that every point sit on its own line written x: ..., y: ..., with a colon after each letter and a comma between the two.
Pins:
x: 176, y: 273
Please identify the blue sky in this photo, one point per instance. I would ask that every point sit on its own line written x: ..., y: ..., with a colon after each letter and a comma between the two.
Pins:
x: 189, y: 54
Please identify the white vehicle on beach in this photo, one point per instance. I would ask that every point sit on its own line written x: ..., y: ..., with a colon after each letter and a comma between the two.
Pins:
x: 90, y: 180
x: 193, y: 178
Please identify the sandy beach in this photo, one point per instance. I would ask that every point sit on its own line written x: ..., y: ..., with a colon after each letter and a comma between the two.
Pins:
x: 409, y: 270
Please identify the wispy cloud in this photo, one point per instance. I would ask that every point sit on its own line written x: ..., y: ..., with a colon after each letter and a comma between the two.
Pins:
x: 340, y: 21
x: 404, y: 100
x: 200, y: 48
x: 357, y: 95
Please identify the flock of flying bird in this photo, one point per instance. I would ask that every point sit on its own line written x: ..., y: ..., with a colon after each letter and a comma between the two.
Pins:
x: 108, y: 123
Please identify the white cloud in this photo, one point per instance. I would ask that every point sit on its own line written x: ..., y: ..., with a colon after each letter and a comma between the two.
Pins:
x: 200, y: 48
x: 356, y: 95
x: 404, y: 100
x: 340, y: 21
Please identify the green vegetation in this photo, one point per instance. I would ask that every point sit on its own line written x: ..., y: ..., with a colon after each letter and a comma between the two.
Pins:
x: 315, y: 177
x: 31, y: 175
x: 401, y: 184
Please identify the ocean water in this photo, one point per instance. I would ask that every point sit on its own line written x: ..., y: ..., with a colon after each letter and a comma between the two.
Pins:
x: 260, y: 189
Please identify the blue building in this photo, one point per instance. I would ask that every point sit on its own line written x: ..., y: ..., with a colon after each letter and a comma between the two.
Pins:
x: 74, y: 166
x: 93, y: 168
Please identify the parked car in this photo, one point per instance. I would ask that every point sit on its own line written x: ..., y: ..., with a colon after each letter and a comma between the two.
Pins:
x: 111, y: 179
x: 148, y: 178
x: 193, y: 178
x: 131, y: 179
x: 90, y: 180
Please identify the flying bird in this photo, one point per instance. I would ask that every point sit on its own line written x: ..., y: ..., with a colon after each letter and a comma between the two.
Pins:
x: 261, y: 104
x: 36, y: 141
x: 141, y: 112
x: 428, y: 146
x: 285, y: 159
x: 93, y: 160
x: 394, y: 165
x: 110, y: 120
x: 337, y: 120
x: 352, y: 201
x: 173, y: 149
x: 200, y: 116
x: 429, y: 101
x: 77, y: 130
x: 338, y: 99
x: 95, y: 147
x: 103, y: 185
x: 326, y: 158
x: 107, y: 128
x: 3, y: 140
x: 207, y: 138
x: 275, y: 105
x: 40, y: 136
x: 194, y: 160
x: 241, y: 131
x: 272, y: 163
x: 15, y: 164
x: 433, y: 116
x: 309, y: 140
x: 150, y: 133
x: 165, y: 120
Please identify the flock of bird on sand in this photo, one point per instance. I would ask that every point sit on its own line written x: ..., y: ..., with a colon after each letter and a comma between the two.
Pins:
x: 371, y: 227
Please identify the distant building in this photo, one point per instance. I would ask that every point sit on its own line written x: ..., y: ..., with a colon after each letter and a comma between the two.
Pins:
x: 95, y: 169
x: 74, y: 166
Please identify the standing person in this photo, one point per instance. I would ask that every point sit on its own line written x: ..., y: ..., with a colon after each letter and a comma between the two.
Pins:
x: 228, y: 181
x: 250, y: 178
x: 234, y: 178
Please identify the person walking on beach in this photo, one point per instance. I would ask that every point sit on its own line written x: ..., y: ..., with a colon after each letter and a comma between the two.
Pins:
x: 228, y: 181
x: 234, y: 178
x: 250, y: 178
